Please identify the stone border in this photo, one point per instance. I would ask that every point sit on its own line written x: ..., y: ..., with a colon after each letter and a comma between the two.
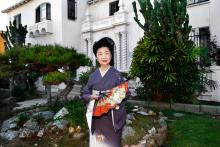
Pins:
x: 200, y: 109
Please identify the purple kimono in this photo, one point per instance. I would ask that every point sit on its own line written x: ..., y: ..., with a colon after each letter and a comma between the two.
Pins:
x: 110, y: 124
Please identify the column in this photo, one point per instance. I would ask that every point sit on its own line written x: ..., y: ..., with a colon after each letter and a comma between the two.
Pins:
x: 124, y: 50
x: 117, y: 51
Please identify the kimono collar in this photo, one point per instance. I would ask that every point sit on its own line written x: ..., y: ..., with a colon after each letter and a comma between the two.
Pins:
x: 103, y: 73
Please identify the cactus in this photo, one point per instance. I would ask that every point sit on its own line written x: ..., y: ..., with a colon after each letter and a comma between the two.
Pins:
x: 166, y: 16
x: 14, y: 36
x: 165, y: 59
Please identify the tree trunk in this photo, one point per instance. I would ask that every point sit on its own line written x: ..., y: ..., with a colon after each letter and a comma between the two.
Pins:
x: 63, y: 94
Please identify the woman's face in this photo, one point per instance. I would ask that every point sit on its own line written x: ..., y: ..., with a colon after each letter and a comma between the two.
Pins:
x: 103, y: 56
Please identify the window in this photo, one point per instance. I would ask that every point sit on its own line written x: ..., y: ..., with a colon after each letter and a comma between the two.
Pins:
x: 113, y: 7
x: 191, y: 2
x: 200, y: 36
x: 43, y: 12
x: 204, y: 37
x: 71, y: 4
x: 17, y: 19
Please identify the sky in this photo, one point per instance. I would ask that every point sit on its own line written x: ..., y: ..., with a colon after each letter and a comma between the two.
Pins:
x: 3, y: 17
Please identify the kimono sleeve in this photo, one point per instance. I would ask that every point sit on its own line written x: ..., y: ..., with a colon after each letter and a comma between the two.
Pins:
x: 87, y: 91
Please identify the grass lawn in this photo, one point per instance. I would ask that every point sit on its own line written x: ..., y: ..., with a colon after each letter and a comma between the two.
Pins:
x: 193, y: 130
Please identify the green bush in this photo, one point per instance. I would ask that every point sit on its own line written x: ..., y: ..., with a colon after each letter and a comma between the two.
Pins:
x: 165, y: 59
x: 76, y: 110
x: 54, y: 78
x: 22, y: 118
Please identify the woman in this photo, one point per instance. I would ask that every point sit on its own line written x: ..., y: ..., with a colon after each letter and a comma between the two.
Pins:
x: 106, y: 130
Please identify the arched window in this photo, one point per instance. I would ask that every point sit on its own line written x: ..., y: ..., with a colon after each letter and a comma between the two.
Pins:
x: 43, y: 12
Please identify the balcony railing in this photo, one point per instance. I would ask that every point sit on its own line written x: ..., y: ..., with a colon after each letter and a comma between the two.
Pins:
x: 40, y: 29
x: 200, y: 40
x: 192, y: 2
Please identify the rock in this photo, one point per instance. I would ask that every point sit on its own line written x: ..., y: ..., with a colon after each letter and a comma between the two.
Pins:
x: 128, y: 122
x: 60, y: 124
x: 152, y: 113
x: 136, y: 106
x: 143, y: 113
x: 71, y: 130
x: 9, y: 134
x: 151, y: 143
x: 178, y: 114
x: 146, y: 137
x: 158, y: 139
x: 142, y: 143
x: 127, y: 131
x: 46, y: 115
x: 162, y: 123
x: 152, y: 131
x: 161, y: 114
x: 26, y: 133
x: 32, y: 125
x: 135, y: 110
x: 78, y: 129
x: 10, y: 123
x: 30, y: 128
x: 130, y: 116
x: 41, y: 133
x: 126, y: 145
x: 61, y: 113
x: 162, y: 130
x: 78, y: 135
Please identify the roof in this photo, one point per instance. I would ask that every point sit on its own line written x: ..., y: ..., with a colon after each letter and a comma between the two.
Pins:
x: 18, y: 4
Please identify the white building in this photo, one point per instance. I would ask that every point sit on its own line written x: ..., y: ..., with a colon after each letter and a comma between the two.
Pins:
x: 80, y: 23
x: 204, y: 18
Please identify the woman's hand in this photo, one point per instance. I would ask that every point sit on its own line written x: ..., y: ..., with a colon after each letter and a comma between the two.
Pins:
x: 93, y: 97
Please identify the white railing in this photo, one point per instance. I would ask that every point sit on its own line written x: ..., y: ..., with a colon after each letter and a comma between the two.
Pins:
x: 41, y: 28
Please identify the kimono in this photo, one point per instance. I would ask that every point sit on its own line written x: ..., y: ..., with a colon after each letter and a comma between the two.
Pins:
x: 110, y: 124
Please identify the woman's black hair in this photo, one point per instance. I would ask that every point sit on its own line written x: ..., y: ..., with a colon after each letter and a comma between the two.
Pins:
x: 103, y: 43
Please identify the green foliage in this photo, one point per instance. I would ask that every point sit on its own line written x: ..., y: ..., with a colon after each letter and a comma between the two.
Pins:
x: 45, y: 60
x: 129, y: 106
x: 56, y: 77
x: 15, y: 35
x: 141, y: 93
x: 84, y: 77
x: 164, y: 59
x: 76, y: 110
x: 22, y: 118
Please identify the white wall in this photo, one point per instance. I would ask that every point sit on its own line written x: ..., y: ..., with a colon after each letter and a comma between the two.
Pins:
x: 134, y: 30
x: 215, y: 19
x: 199, y: 15
x: 71, y: 29
x: 28, y: 18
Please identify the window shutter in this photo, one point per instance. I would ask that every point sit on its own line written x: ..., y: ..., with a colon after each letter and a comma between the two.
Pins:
x: 48, y: 11
x: 38, y: 15
x: 71, y: 8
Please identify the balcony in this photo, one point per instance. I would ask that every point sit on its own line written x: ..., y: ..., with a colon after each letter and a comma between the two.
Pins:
x: 40, y: 29
x: 105, y: 23
x: 194, y: 2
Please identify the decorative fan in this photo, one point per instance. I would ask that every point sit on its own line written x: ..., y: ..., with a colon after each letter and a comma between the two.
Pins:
x: 109, y: 99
